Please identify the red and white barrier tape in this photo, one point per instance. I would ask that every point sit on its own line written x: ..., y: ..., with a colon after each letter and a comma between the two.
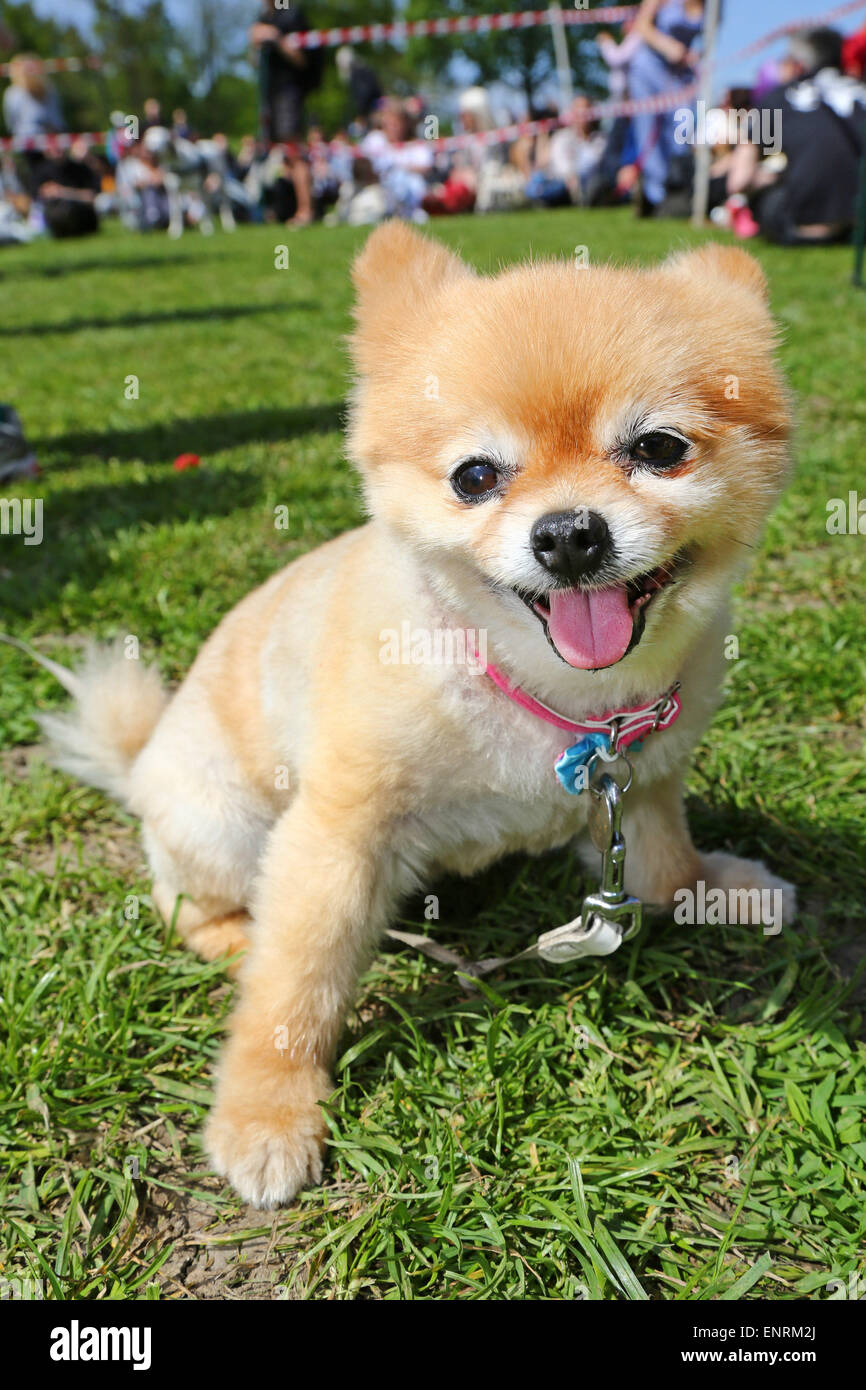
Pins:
x: 60, y: 65
x: 666, y: 101
x: 522, y: 19
x: 464, y: 24
x: 473, y: 24
x: 51, y: 143
x: 402, y: 29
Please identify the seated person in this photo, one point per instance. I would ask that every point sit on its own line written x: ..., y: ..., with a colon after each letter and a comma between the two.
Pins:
x: 67, y: 189
x: 324, y: 170
x: 461, y: 173
x: 401, y: 163
x: 141, y: 190
x: 811, y: 200
x: 180, y: 126
x: 152, y: 114
x: 362, y: 201
x: 15, y: 203
x: 566, y: 164
x: 31, y: 108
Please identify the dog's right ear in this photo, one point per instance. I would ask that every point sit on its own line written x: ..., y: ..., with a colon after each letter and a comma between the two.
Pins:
x: 715, y: 263
x: 396, y: 276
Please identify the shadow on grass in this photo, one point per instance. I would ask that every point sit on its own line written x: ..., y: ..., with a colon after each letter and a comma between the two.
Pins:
x: 169, y: 316
x: 79, y: 526
x: 56, y: 270
x: 504, y: 909
x: 200, y: 434
x: 80, y: 522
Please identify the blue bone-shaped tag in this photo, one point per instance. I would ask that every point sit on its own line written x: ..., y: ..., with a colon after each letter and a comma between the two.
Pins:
x: 572, y: 766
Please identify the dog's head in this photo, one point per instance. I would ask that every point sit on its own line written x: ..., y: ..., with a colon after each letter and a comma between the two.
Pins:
x: 591, y: 447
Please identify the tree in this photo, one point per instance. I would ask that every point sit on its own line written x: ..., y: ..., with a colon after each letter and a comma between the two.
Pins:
x: 214, y: 42
x: 523, y: 59
x: 205, y: 63
x: 141, y: 55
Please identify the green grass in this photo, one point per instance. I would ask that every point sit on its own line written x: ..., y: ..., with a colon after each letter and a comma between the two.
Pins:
x: 684, y: 1121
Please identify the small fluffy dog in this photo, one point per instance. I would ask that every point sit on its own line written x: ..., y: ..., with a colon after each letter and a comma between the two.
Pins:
x: 567, y: 461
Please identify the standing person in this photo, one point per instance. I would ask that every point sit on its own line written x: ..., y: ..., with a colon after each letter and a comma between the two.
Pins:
x: 617, y: 56
x: 617, y: 172
x: 30, y: 104
x: 365, y: 89
x: 664, y: 61
x: 287, y: 74
x: 31, y: 108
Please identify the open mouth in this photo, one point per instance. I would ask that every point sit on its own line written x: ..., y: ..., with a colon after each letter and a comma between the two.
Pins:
x: 594, y: 628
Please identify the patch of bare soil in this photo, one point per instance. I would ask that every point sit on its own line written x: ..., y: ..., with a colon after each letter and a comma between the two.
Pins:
x: 227, y: 1260
x: 114, y: 844
x: 15, y: 762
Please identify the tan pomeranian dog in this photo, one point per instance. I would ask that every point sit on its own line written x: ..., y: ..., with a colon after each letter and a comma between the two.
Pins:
x: 562, y: 462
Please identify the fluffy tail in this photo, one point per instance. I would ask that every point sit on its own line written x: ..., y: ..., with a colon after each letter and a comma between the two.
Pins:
x: 117, y: 705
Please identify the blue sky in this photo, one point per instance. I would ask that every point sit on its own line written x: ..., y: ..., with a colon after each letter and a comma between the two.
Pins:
x: 744, y: 20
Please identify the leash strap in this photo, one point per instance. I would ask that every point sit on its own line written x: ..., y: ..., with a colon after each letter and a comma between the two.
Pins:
x: 571, y: 942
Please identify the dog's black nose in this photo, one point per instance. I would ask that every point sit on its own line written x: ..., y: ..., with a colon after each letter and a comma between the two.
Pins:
x: 570, y: 545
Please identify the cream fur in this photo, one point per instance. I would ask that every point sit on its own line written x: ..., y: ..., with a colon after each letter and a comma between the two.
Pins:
x: 295, y: 786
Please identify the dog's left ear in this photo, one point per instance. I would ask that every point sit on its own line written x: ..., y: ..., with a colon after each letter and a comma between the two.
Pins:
x: 715, y: 262
x: 397, y: 277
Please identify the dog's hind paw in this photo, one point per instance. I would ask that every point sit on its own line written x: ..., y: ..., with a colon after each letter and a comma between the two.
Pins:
x: 750, y: 876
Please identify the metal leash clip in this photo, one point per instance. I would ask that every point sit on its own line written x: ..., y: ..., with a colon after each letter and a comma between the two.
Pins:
x: 611, y: 904
x: 610, y: 916
x: 607, y: 918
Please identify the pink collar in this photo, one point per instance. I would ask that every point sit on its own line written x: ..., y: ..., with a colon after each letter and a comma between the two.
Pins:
x: 625, y: 726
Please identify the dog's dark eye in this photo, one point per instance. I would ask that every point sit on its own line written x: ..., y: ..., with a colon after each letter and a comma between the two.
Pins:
x: 658, y: 449
x: 475, y: 479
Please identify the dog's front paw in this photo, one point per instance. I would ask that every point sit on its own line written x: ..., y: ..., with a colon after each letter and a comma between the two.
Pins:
x: 750, y: 876
x: 269, y: 1152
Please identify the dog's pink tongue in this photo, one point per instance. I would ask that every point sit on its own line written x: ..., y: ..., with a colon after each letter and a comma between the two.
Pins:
x: 590, y: 630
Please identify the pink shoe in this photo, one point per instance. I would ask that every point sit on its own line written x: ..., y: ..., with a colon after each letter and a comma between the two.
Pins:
x: 743, y: 224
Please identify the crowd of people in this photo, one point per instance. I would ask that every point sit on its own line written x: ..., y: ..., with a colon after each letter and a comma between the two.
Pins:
x: 785, y: 154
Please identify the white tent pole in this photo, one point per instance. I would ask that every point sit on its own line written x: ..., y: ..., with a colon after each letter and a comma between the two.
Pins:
x: 701, y: 194
x: 560, y: 49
